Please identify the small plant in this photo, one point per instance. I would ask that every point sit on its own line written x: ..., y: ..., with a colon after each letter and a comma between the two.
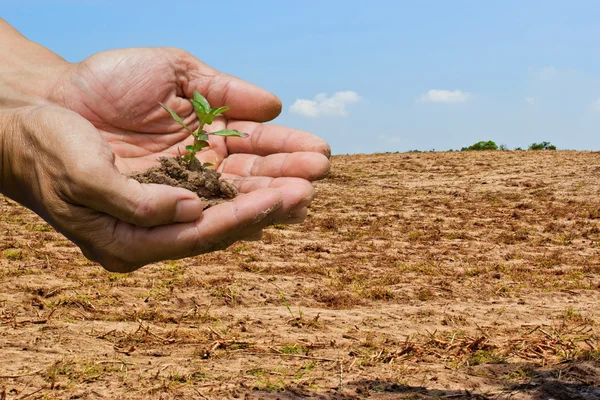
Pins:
x: 293, y: 349
x: 13, y: 254
x: 481, y: 146
x: 295, y: 321
x: 485, y: 357
x: 542, y: 146
x: 206, y: 115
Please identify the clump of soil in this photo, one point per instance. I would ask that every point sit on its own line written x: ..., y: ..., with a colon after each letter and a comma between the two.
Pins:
x: 203, y: 181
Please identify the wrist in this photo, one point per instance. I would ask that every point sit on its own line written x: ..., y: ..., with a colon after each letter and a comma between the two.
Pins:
x: 28, y: 71
x: 28, y: 85
x: 18, y: 168
x: 7, y: 130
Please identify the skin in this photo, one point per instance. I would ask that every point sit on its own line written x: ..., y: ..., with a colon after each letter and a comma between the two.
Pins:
x: 68, y: 133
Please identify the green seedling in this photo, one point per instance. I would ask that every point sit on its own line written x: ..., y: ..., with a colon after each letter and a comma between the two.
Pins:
x: 206, y: 115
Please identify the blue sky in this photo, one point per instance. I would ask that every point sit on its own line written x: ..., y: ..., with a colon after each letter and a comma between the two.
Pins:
x: 371, y: 76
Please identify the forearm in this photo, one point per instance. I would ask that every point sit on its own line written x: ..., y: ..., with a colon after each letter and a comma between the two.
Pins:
x: 28, y: 71
x: 10, y: 135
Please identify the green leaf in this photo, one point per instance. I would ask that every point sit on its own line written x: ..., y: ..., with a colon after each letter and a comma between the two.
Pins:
x: 203, y: 136
x: 190, y: 148
x: 207, y: 164
x: 200, y: 144
x: 175, y: 117
x: 230, y: 132
x: 207, y: 119
x: 204, y: 117
x: 198, y: 107
x: 199, y: 98
x: 219, y: 111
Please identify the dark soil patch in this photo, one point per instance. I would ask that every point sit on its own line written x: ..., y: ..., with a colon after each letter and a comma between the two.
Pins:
x: 203, y: 181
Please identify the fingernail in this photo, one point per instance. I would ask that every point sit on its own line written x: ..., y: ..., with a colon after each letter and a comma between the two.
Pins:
x: 299, y: 214
x: 188, y: 210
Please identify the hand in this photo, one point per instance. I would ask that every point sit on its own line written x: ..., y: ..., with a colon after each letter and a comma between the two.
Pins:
x: 118, y: 91
x: 57, y: 163
x: 70, y: 171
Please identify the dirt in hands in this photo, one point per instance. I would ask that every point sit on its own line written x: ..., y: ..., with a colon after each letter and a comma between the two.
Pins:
x: 203, y: 181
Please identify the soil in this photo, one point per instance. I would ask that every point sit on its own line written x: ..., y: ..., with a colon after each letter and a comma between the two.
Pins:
x: 435, y: 275
x: 203, y: 181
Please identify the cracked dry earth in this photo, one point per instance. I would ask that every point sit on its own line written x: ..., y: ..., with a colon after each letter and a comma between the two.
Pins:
x: 416, y: 276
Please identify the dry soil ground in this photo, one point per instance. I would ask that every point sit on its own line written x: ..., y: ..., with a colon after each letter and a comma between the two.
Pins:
x: 430, y: 275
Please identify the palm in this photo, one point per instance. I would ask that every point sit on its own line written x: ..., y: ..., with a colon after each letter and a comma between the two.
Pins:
x: 118, y: 91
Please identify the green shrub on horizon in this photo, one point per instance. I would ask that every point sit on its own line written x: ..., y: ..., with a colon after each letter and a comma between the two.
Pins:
x: 481, y: 146
x: 542, y: 146
x: 491, y: 145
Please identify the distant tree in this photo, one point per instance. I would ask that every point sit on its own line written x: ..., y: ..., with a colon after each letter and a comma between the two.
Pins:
x: 480, y: 146
x: 542, y: 146
x: 502, y: 147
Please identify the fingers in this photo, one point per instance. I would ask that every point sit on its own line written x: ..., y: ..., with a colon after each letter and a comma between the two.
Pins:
x: 271, y: 139
x: 130, y: 247
x: 297, y: 195
x: 152, y: 204
x: 262, y: 202
x: 247, y: 101
x: 305, y: 165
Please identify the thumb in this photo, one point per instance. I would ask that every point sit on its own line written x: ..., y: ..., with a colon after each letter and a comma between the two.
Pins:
x: 247, y: 101
x: 140, y: 204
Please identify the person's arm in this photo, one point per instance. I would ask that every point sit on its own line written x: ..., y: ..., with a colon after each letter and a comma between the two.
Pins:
x: 69, y: 133
x: 28, y: 71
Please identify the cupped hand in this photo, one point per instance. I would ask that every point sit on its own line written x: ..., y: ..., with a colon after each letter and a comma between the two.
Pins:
x: 59, y: 165
x: 119, y: 91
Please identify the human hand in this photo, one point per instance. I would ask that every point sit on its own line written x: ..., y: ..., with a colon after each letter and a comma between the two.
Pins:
x: 118, y: 91
x: 70, y: 171
x: 58, y: 164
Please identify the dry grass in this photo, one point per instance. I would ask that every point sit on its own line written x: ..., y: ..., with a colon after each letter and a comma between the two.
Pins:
x: 430, y: 275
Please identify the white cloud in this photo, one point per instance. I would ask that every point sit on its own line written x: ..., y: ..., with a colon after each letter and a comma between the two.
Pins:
x: 548, y: 73
x: 444, y: 96
x: 530, y: 100
x: 322, y: 105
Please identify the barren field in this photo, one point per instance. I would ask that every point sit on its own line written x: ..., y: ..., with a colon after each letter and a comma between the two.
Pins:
x: 416, y: 275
